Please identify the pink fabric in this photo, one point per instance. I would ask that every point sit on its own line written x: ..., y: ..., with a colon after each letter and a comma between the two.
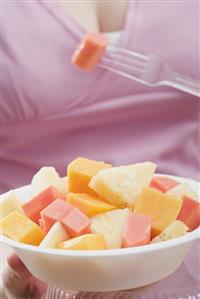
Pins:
x: 51, y: 112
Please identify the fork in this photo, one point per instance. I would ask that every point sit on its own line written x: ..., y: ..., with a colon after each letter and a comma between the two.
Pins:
x: 148, y: 69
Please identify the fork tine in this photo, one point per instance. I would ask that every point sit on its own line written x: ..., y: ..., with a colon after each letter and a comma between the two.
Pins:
x: 128, y: 60
x: 123, y: 73
x: 117, y: 48
x: 126, y: 64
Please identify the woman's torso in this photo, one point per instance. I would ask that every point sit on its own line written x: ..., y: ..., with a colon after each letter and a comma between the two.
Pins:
x: 52, y: 112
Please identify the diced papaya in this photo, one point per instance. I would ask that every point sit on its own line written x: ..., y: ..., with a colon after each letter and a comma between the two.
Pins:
x: 85, y: 242
x: 42, y: 225
x: 80, y: 172
x: 190, y: 212
x: 90, y: 51
x: 88, y: 204
x: 163, y: 209
x: 163, y: 183
x: 54, y: 212
x: 35, y: 205
x: 20, y: 228
x: 76, y: 223
x: 137, y: 230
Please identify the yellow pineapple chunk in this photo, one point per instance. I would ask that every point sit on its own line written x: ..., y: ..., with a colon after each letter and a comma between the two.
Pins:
x: 174, y: 230
x: 122, y: 185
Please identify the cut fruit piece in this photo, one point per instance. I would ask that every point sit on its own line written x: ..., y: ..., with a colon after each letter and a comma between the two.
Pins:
x: 20, y: 228
x: 76, y: 223
x: 163, y: 209
x: 35, y: 205
x: 85, y: 242
x: 89, y: 205
x: 55, y: 235
x: 90, y: 51
x: 80, y: 172
x: 54, y: 212
x: 174, y: 230
x: 110, y: 225
x: 45, y: 177
x: 190, y: 213
x: 137, y: 230
x: 42, y: 225
x: 183, y: 189
x: 10, y: 202
x: 122, y: 185
x: 163, y: 183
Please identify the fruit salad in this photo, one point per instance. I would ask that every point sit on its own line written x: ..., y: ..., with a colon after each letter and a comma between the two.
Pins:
x: 100, y: 207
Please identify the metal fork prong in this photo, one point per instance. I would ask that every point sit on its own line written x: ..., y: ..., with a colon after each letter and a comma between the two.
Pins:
x: 115, y: 47
x: 128, y: 65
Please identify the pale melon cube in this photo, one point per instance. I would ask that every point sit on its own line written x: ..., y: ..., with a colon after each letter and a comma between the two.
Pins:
x: 48, y: 176
x: 110, y: 225
x: 122, y: 185
x: 55, y: 235
x: 10, y: 202
x: 183, y: 189
x: 174, y: 230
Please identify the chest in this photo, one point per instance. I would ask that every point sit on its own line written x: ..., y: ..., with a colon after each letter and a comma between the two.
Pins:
x: 38, y: 42
x: 97, y: 15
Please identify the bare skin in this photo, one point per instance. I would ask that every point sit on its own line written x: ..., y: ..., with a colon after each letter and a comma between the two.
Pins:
x: 18, y: 282
x: 96, y: 15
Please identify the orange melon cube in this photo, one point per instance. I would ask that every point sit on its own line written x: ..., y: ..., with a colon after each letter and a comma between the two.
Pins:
x: 20, y: 228
x: 89, y: 51
x: 35, y: 205
x: 163, y: 209
x: 190, y: 213
x: 85, y: 242
x: 54, y: 212
x: 76, y: 223
x: 163, y: 183
x: 137, y: 230
x: 80, y: 172
x: 88, y: 204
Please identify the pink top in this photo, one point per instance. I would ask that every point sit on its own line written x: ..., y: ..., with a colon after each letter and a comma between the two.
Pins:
x: 52, y: 112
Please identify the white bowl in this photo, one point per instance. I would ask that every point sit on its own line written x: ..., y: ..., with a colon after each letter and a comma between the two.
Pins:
x: 105, y: 270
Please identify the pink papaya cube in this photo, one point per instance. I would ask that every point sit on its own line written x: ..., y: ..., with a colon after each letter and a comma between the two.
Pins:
x: 190, y: 213
x: 76, y: 223
x: 136, y: 231
x: 54, y: 212
x: 163, y: 183
x: 35, y: 205
x: 41, y: 224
